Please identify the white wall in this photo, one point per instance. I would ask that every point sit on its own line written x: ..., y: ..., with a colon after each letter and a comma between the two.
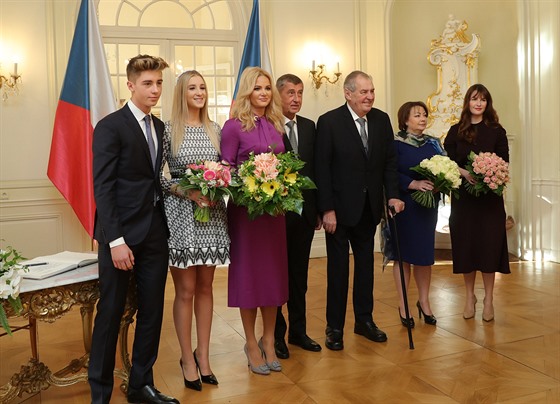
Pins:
x: 26, y: 120
x: 539, y: 108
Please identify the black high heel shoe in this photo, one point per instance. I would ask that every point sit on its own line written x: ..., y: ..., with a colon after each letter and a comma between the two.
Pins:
x: 404, y: 322
x: 190, y: 384
x: 208, y: 379
x: 428, y: 319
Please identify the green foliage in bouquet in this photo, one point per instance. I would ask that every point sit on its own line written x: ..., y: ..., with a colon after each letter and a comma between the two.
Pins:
x: 269, y: 183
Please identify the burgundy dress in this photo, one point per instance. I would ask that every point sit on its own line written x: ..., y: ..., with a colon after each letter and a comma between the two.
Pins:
x: 478, y: 224
x: 258, y: 271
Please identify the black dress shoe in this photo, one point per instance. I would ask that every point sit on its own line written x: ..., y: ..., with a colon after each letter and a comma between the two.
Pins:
x: 148, y: 394
x: 305, y: 342
x: 334, y: 339
x: 370, y: 331
x: 428, y: 319
x: 281, y: 348
x: 208, y: 379
x: 406, y: 322
x: 190, y: 384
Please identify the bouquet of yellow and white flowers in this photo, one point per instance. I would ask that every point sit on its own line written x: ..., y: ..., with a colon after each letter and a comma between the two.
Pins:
x: 445, y: 175
x: 269, y: 183
x: 10, y: 279
x: 212, y: 179
x: 490, y: 171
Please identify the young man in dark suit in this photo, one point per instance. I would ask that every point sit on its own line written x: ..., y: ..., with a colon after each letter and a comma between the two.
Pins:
x: 354, y: 164
x: 132, y: 232
x: 300, y: 137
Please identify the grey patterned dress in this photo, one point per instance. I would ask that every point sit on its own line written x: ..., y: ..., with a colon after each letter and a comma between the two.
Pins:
x: 192, y: 242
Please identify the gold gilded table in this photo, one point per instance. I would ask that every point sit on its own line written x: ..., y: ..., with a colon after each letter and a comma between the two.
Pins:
x: 48, y: 300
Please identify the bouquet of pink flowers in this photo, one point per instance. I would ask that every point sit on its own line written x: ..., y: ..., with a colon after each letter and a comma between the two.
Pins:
x: 445, y: 175
x: 212, y: 179
x: 490, y: 171
x: 270, y: 183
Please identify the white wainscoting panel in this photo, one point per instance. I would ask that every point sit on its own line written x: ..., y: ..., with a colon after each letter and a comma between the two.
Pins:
x: 36, y: 220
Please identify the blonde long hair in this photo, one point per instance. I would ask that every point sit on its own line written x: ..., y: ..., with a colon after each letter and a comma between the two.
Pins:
x: 242, y: 108
x: 180, y: 113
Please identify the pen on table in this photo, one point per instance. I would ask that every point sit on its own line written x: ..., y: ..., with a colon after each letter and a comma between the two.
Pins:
x: 36, y: 264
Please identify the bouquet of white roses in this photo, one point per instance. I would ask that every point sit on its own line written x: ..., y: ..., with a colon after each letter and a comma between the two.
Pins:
x: 445, y: 175
x: 270, y: 183
x: 490, y: 171
x: 212, y: 179
x: 10, y: 279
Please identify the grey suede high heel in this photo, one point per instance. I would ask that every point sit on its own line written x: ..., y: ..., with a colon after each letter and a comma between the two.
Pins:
x: 259, y: 370
x: 274, y: 365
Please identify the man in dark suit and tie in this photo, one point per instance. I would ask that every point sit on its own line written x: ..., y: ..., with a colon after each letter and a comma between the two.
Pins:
x: 354, y: 164
x: 300, y: 137
x: 132, y: 232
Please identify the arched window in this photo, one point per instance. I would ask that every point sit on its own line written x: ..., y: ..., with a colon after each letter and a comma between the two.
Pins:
x: 188, y: 34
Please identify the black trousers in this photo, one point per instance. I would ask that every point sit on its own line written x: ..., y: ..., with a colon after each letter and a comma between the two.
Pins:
x: 360, y: 237
x: 150, y: 275
x: 299, y: 238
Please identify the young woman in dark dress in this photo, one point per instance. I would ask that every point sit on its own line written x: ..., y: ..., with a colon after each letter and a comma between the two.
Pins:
x: 478, y: 223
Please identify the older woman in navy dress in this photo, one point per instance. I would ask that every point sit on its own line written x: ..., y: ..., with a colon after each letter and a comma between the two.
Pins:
x: 258, y: 272
x: 416, y: 224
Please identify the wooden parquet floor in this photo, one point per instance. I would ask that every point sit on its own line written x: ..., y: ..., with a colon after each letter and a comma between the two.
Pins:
x: 514, y: 359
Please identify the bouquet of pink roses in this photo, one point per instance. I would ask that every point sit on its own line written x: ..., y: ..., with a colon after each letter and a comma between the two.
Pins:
x: 490, y: 171
x: 212, y: 179
x: 270, y: 183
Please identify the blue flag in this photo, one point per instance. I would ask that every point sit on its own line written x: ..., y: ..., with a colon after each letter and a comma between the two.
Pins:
x: 255, y: 51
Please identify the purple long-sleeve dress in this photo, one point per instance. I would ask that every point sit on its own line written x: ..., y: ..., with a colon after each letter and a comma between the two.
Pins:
x: 258, y: 271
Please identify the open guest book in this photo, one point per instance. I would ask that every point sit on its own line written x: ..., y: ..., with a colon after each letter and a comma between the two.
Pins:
x: 50, y: 265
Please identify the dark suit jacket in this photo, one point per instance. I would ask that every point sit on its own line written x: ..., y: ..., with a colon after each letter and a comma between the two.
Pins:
x: 124, y: 181
x: 344, y: 174
x: 306, y: 151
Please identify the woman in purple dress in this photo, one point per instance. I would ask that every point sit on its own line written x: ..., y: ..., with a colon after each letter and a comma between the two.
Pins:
x: 258, y: 272
x: 478, y: 223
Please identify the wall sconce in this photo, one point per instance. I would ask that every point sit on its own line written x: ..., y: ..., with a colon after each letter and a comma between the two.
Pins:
x: 318, y: 77
x: 9, y: 85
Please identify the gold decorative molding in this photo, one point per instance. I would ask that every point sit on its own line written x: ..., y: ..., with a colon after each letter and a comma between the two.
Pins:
x: 48, y: 305
x: 456, y: 62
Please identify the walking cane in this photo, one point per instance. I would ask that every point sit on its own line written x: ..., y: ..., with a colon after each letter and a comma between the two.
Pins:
x: 403, y: 284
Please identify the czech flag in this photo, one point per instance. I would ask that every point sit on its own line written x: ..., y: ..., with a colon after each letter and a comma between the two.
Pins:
x: 86, y: 97
x: 255, y: 51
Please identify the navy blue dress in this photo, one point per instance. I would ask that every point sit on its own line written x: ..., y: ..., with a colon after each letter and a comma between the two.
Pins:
x: 416, y: 224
